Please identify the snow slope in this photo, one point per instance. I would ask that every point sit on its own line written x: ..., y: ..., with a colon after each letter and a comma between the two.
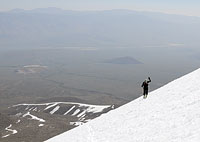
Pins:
x: 169, y: 114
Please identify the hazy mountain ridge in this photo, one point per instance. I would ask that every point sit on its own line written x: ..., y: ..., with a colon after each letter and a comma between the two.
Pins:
x: 56, y: 27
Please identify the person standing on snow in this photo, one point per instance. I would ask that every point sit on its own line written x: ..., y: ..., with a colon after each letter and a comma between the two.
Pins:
x: 145, y: 86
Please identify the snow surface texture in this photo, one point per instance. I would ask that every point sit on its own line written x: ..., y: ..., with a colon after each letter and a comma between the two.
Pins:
x: 169, y: 114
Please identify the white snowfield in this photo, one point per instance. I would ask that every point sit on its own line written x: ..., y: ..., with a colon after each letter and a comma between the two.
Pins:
x: 169, y: 114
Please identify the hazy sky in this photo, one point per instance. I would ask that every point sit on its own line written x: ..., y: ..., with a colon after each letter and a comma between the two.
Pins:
x: 186, y: 7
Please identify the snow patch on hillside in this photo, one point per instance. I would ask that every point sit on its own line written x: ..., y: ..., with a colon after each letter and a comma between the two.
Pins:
x: 84, y: 112
x: 69, y: 110
x: 8, y: 129
x: 33, y: 117
x: 55, y: 105
x: 55, y: 109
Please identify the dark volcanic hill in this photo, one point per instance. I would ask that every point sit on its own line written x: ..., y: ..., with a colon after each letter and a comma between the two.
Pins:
x: 123, y: 60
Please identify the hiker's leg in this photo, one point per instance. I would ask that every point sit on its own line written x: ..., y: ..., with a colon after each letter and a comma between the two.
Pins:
x: 143, y: 93
x: 146, y: 93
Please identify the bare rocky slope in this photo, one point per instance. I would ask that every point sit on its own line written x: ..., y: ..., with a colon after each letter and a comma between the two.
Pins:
x: 40, y: 121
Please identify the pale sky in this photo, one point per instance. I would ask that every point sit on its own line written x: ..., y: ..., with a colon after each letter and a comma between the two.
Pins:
x: 185, y: 7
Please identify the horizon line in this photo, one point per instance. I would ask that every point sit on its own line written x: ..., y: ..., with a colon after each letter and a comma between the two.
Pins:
x: 101, y: 10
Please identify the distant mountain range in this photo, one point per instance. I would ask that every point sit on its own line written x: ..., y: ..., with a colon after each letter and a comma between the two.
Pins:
x: 55, y: 27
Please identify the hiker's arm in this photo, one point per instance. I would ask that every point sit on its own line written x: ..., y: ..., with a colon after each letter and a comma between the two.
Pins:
x: 149, y: 80
x: 142, y: 84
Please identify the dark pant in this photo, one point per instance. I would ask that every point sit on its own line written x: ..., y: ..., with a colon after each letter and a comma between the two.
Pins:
x: 145, y: 92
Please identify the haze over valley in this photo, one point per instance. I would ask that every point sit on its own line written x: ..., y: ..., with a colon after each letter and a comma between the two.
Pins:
x: 51, y: 58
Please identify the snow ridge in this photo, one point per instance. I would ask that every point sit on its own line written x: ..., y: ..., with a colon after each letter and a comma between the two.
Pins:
x: 169, y: 114
x: 84, y: 112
